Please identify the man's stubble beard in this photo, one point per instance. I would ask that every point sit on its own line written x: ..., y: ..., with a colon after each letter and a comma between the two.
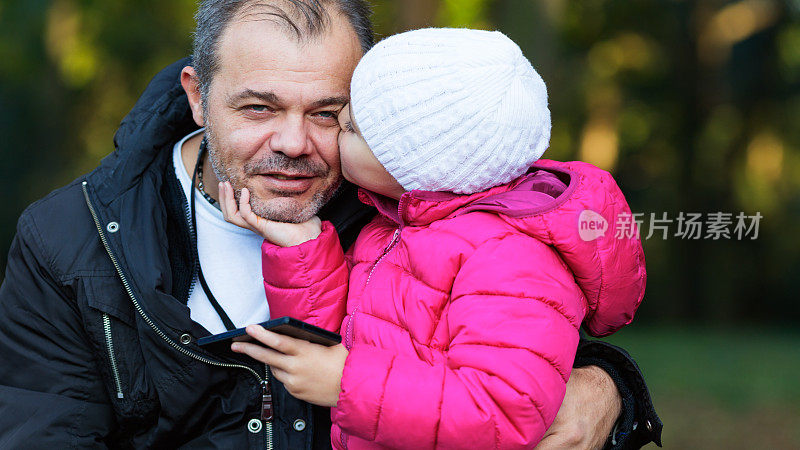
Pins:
x: 280, y: 210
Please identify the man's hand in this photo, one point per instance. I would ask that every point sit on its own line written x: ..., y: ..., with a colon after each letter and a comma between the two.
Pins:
x: 279, y: 233
x: 310, y: 372
x: 587, y: 416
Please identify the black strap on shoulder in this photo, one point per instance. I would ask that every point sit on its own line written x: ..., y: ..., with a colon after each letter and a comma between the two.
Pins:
x: 217, y: 307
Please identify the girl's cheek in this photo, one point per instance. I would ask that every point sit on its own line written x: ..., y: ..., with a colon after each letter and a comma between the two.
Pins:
x: 344, y: 158
x: 346, y: 153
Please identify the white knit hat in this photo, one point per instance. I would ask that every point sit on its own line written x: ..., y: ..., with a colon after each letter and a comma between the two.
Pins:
x: 452, y: 110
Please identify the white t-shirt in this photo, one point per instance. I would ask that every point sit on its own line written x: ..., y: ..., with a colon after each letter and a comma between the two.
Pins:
x: 231, y: 260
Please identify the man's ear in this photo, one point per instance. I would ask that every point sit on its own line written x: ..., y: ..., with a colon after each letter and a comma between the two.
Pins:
x: 191, y: 84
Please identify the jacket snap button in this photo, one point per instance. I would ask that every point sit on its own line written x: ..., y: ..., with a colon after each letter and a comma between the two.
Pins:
x: 186, y: 339
x: 112, y: 227
x: 299, y: 425
x: 254, y: 426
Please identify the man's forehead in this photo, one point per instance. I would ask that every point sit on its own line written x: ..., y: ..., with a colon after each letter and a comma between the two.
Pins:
x: 247, y: 43
x: 260, y: 56
x: 295, y: 17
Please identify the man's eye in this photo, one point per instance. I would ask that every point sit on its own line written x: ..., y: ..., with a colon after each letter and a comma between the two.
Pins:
x: 326, y: 118
x: 259, y: 108
x: 328, y: 114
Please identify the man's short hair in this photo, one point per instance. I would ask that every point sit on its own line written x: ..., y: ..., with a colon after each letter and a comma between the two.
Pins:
x: 306, y: 19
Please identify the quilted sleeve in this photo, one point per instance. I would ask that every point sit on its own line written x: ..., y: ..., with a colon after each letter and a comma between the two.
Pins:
x: 513, y: 324
x: 610, y: 266
x: 307, y: 281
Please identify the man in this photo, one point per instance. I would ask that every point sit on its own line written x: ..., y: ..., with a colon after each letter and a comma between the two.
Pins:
x: 112, y: 279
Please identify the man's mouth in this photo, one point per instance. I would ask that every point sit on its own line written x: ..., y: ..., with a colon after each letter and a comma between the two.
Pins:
x: 286, y: 183
x: 287, y: 177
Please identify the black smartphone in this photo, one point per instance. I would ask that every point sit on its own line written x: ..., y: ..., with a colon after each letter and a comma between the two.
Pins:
x: 285, y: 325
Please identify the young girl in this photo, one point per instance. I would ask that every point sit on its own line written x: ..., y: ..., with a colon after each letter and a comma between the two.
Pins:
x: 465, y: 294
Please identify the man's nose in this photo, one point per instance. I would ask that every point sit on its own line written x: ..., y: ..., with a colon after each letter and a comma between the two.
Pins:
x: 291, y: 138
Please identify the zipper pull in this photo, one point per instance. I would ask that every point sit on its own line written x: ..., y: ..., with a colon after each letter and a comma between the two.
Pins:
x: 266, y: 402
x: 393, y: 241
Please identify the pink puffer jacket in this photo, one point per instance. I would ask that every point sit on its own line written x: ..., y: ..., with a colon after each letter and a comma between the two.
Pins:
x: 463, y: 312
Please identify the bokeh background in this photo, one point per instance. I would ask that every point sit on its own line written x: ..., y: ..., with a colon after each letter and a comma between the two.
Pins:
x: 694, y: 105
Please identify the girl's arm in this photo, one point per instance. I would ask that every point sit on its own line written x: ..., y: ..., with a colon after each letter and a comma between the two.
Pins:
x: 305, y: 275
x: 512, y: 326
x: 307, y: 281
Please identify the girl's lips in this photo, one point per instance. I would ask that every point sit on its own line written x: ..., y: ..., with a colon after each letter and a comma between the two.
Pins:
x: 285, y: 184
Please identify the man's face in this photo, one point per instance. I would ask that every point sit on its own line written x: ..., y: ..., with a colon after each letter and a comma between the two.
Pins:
x: 271, y: 115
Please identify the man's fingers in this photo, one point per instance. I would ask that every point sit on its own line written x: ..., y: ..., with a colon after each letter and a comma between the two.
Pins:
x: 284, y: 344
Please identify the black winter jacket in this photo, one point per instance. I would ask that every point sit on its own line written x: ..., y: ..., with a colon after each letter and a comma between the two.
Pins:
x: 96, y: 342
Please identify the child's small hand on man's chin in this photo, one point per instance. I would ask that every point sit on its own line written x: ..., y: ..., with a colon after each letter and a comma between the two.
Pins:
x: 279, y: 233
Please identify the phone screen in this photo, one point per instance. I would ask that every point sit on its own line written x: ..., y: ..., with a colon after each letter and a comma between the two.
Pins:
x: 287, y: 326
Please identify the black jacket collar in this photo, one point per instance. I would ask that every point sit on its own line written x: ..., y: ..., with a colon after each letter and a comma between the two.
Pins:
x: 160, y: 118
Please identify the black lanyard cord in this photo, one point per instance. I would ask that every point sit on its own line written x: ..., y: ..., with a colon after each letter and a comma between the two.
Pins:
x: 217, y: 307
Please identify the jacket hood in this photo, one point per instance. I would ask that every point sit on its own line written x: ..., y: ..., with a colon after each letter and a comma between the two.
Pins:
x: 573, y: 207
x: 159, y: 118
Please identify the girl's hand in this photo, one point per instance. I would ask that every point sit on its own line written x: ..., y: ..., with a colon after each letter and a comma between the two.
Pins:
x: 279, y: 233
x: 310, y: 372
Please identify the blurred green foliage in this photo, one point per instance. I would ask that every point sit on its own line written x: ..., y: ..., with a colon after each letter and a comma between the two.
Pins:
x: 719, y: 389
x: 692, y: 104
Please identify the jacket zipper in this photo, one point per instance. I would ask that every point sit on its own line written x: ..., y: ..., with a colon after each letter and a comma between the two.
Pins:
x: 153, y: 326
x: 111, y: 357
x: 383, y: 254
x: 349, y: 335
x: 188, y: 213
x: 392, y: 243
x: 267, y: 408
